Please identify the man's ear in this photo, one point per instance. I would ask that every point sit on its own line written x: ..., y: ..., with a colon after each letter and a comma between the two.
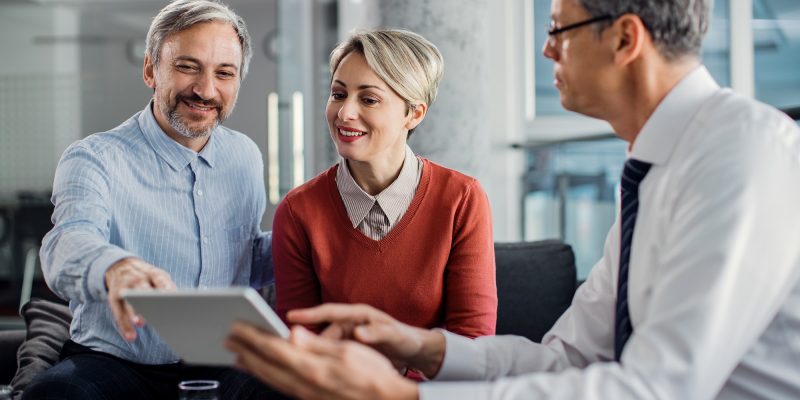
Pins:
x: 417, y: 113
x: 148, y: 72
x: 631, y: 37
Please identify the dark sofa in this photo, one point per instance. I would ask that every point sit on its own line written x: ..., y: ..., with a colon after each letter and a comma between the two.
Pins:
x: 535, y: 284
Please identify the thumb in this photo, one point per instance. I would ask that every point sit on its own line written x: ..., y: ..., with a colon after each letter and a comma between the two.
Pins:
x: 374, y: 333
x: 304, y: 339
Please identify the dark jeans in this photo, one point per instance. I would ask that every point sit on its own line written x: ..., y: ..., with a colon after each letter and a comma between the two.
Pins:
x: 86, y: 374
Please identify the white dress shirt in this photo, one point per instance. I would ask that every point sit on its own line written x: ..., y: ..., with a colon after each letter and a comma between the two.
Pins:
x: 714, y: 290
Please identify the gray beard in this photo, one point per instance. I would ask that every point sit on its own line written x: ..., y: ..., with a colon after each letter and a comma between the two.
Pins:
x: 175, y: 122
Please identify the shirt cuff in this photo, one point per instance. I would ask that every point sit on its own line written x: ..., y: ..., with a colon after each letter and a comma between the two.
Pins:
x: 463, y: 359
x: 455, y: 391
x: 95, y: 284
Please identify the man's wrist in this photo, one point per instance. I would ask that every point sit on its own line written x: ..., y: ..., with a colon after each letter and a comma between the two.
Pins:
x: 431, y: 355
x: 96, y: 277
x: 112, y: 268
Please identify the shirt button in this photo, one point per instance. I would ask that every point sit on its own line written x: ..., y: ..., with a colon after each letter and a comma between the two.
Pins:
x: 199, y: 192
x: 205, y: 239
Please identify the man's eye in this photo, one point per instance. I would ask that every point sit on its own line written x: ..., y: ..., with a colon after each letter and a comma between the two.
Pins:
x: 186, y: 68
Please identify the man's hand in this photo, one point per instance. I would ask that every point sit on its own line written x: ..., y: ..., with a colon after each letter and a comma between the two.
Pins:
x: 308, y: 366
x: 404, y: 345
x: 132, y: 273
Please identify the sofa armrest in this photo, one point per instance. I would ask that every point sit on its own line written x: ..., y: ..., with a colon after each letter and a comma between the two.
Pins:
x: 9, y: 345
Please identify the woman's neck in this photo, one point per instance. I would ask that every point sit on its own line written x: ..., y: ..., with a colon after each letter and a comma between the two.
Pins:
x: 375, y: 176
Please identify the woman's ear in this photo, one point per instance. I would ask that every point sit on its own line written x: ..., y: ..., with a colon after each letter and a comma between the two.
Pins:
x: 416, y: 115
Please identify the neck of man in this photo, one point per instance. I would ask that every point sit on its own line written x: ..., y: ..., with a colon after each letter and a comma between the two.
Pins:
x: 375, y: 176
x: 649, y: 80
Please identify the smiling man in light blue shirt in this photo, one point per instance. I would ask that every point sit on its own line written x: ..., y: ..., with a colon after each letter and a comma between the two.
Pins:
x: 170, y: 198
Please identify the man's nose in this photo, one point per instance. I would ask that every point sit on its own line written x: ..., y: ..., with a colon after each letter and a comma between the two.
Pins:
x: 204, y: 87
x: 549, y: 49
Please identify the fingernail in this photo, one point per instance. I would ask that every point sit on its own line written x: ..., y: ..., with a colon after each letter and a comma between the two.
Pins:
x: 300, y: 332
x: 362, y: 332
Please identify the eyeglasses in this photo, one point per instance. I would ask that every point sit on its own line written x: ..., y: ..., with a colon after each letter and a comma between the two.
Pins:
x: 553, y: 32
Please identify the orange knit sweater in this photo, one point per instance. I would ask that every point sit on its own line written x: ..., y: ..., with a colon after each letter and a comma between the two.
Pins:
x: 435, y: 268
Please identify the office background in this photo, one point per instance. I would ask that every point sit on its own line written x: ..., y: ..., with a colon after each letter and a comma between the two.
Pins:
x: 73, y: 67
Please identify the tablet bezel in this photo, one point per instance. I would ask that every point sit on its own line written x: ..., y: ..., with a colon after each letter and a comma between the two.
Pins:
x: 195, y: 322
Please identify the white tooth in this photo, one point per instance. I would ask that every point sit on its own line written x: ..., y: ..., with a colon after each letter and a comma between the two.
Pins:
x: 198, y: 107
x: 350, y: 133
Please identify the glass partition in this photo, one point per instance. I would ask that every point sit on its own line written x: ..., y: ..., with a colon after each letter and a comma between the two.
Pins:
x: 570, y: 191
x: 776, y: 41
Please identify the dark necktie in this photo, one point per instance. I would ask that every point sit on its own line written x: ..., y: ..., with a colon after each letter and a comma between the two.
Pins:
x: 632, y: 175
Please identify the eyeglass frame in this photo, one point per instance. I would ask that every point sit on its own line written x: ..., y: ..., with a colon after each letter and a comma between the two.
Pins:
x: 553, y: 32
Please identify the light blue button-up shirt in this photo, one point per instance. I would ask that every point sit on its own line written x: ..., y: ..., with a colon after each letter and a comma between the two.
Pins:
x: 133, y: 191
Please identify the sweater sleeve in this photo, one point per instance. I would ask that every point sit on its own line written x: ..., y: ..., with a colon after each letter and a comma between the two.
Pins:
x: 470, y: 288
x: 296, y: 282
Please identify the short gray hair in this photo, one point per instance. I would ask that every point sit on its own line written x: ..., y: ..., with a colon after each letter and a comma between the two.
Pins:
x: 183, y: 14
x: 676, y: 26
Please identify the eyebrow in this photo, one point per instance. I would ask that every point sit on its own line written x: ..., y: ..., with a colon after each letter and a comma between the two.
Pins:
x: 196, y: 61
x: 362, y: 87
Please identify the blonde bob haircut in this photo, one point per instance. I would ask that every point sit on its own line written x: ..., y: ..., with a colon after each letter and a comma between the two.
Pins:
x: 408, y: 63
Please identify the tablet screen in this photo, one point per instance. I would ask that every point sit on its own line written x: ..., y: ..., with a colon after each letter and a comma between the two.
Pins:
x: 196, y: 322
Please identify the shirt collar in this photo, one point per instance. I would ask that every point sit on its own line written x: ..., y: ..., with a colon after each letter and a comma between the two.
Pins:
x: 359, y: 202
x: 174, y: 153
x: 662, y: 131
x: 402, y: 190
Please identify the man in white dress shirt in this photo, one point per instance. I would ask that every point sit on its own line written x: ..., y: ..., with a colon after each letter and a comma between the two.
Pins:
x: 708, y: 283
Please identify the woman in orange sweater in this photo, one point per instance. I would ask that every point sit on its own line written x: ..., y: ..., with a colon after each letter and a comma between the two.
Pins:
x: 383, y: 226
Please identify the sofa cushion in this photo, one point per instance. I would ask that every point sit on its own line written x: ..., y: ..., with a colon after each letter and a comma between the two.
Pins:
x: 535, y: 285
x: 10, y: 341
x: 47, y: 326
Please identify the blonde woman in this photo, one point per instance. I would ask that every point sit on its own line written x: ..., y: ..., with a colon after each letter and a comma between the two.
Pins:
x: 383, y: 226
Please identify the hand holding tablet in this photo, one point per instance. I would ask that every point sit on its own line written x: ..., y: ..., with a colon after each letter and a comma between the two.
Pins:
x: 195, y: 322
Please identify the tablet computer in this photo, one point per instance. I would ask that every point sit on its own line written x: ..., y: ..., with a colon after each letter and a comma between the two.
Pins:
x: 195, y: 322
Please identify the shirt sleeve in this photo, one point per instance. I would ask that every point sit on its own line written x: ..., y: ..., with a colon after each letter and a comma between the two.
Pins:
x: 470, y: 287
x: 580, y: 336
x: 76, y: 253
x: 262, y: 273
x: 296, y: 282
x: 721, y: 283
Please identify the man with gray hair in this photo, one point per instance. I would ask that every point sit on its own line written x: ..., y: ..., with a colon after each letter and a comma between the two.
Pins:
x: 167, y: 199
x: 697, y: 295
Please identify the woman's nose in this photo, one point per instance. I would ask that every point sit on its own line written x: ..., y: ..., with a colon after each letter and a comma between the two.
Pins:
x: 348, y: 111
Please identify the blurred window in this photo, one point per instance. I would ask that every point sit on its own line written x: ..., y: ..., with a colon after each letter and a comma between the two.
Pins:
x: 570, y: 188
x: 776, y: 37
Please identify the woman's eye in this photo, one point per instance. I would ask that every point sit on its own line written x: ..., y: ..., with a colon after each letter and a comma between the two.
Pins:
x: 337, y: 95
x: 369, y: 101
